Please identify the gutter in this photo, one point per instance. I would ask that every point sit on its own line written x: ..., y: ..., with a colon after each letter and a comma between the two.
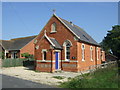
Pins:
x: 89, y: 43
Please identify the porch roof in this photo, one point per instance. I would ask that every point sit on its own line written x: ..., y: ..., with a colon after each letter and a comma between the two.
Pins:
x: 55, y: 42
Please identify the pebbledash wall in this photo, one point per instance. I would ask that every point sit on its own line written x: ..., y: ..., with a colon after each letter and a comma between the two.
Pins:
x: 75, y: 64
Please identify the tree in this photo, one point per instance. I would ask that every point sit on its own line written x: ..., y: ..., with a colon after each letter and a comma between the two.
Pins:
x: 27, y: 55
x: 111, y: 43
x: 2, y: 55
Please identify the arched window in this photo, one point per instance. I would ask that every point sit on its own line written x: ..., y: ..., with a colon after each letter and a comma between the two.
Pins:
x: 68, y: 51
x: 67, y: 44
x: 53, y: 27
x: 97, y: 54
x: 83, y: 52
x: 91, y: 53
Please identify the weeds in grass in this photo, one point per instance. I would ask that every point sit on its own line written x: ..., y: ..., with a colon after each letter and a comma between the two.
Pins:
x: 101, y: 78
x: 58, y: 77
x: 37, y: 71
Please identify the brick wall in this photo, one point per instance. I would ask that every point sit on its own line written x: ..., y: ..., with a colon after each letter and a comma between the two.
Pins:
x: 103, y: 56
x: 61, y: 35
x: 44, y: 66
x: 28, y: 48
x: 84, y: 65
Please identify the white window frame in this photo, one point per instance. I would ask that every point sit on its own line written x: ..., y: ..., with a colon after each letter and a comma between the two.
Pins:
x: 102, y: 54
x: 53, y: 27
x: 64, y: 44
x: 97, y: 54
x: 44, y: 50
x: 37, y: 47
x: 83, y: 51
x: 91, y: 53
x: 13, y: 55
x: 66, y: 54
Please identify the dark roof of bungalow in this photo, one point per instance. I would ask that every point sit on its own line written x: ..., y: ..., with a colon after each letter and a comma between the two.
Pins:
x: 17, y: 43
x: 5, y: 44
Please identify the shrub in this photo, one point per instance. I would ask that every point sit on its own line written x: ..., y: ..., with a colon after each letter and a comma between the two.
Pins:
x: 2, y: 55
x: 28, y: 56
x: 12, y: 62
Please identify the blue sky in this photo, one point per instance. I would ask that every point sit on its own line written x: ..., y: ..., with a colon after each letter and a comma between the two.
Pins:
x: 26, y: 19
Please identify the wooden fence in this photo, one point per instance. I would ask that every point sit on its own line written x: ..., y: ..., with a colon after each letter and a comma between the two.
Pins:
x: 92, y: 68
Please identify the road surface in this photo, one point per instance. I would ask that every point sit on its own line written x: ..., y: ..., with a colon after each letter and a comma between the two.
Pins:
x: 12, y: 82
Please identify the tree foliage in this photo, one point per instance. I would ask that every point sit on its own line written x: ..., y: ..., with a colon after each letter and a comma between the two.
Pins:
x: 27, y: 55
x: 2, y: 55
x: 111, y: 43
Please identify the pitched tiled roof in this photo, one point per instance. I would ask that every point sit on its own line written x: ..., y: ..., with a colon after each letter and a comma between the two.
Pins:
x: 80, y: 33
x: 55, y: 42
x: 17, y: 43
x: 6, y: 44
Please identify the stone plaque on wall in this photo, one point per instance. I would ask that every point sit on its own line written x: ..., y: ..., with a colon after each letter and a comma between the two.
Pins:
x: 73, y: 57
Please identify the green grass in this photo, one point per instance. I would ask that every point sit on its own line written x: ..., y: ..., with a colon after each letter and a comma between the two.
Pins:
x: 58, y: 77
x: 37, y: 71
x: 101, y: 78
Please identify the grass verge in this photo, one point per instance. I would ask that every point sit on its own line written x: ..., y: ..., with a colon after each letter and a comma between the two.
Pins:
x: 101, y: 78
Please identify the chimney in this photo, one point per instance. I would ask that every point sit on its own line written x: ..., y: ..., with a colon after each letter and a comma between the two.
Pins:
x: 71, y: 23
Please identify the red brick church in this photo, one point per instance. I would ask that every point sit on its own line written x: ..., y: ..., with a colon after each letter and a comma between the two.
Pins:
x: 62, y: 45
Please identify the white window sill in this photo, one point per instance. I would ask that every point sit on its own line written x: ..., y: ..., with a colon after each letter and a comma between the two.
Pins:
x: 43, y: 61
x: 83, y: 60
x: 53, y: 31
x: 92, y: 60
x: 67, y: 60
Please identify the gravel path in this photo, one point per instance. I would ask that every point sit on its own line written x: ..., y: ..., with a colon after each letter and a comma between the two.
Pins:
x: 39, y: 77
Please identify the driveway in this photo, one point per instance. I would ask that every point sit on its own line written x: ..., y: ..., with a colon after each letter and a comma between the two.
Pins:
x: 12, y: 82
x: 26, y: 73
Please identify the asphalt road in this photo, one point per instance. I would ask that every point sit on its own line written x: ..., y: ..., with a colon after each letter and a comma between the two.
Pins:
x: 12, y: 82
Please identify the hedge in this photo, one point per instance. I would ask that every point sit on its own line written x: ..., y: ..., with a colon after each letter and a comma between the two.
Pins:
x: 12, y: 62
